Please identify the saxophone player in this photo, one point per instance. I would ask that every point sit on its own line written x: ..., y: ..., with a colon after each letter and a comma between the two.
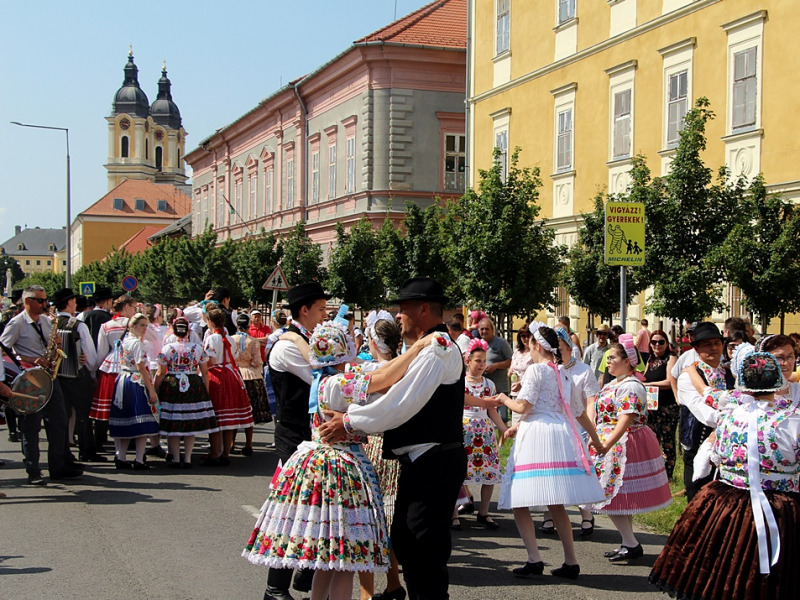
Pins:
x: 27, y: 335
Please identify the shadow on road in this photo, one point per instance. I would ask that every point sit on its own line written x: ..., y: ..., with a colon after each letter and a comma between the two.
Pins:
x: 7, y: 570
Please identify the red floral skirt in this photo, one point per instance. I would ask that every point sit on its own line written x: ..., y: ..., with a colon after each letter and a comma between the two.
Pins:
x: 231, y: 404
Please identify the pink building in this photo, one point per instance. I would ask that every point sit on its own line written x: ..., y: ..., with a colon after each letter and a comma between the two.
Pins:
x: 377, y: 126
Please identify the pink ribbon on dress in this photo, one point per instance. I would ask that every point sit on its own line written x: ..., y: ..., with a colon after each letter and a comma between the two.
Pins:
x: 571, y: 419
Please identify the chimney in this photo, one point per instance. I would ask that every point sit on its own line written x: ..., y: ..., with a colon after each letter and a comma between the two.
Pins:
x: 17, y: 229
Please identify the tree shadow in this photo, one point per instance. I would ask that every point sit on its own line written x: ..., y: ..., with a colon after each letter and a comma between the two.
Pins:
x: 8, y: 570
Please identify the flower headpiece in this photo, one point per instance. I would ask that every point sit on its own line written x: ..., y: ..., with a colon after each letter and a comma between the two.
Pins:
x: 759, y: 373
x: 626, y: 339
x: 476, y: 344
x: 741, y: 351
x: 477, y: 315
x: 331, y: 344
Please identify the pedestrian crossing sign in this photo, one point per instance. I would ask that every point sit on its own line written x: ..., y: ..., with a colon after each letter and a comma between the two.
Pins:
x: 624, y: 234
x: 276, y: 281
x: 87, y: 288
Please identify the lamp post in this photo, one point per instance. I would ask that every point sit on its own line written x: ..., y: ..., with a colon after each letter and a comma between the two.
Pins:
x: 68, y: 271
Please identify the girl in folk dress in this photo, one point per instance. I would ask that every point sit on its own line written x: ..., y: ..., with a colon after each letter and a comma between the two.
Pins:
x: 480, y: 443
x: 250, y: 365
x: 549, y: 464
x: 632, y: 472
x: 325, y: 510
x: 132, y: 411
x: 227, y: 391
x: 738, y: 539
x: 186, y: 409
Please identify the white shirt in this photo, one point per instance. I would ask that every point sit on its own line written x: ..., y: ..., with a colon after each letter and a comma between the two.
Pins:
x: 87, y: 344
x: 285, y: 357
x: 408, y: 396
x: 684, y: 360
x: 689, y: 397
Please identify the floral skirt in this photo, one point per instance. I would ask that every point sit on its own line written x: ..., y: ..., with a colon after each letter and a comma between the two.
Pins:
x: 480, y: 444
x: 388, y: 472
x: 135, y: 418
x: 257, y: 393
x: 185, y: 413
x: 231, y: 404
x: 325, y: 512
x: 712, y: 552
x: 103, y: 394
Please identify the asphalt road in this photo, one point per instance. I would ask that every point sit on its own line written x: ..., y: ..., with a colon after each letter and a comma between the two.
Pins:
x: 179, y: 534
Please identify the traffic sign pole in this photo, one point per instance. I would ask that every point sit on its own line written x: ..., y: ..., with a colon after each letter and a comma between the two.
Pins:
x: 623, y: 294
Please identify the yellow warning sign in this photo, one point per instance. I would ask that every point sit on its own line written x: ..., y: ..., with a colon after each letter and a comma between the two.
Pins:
x: 624, y: 234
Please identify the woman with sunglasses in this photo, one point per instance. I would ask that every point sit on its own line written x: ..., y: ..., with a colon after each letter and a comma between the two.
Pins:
x: 664, y: 420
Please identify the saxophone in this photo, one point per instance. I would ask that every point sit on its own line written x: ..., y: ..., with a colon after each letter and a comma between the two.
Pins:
x: 53, y: 353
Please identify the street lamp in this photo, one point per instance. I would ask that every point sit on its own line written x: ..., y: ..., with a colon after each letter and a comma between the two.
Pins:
x: 68, y: 276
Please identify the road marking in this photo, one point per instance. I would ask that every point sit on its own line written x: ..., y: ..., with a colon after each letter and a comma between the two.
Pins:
x: 252, y: 510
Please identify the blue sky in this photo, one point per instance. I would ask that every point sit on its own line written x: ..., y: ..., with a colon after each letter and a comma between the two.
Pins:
x: 62, y: 63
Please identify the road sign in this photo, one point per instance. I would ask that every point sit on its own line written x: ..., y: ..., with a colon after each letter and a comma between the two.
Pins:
x: 276, y: 281
x: 129, y: 283
x: 87, y: 288
x: 624, y: 234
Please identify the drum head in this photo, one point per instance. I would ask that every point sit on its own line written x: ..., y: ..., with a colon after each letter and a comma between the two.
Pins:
x: 34, y: 382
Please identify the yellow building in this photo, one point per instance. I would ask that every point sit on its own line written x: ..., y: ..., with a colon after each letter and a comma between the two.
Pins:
x: 582, y: 86
x: 37, y: 250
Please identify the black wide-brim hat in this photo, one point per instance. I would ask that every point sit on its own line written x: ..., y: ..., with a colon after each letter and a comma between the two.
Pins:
x: 421, y: 289
x: 102, y: 293
x: 706, y: 331
x: 63, y: 295
x: 305, y: 293
x: 16, y: 295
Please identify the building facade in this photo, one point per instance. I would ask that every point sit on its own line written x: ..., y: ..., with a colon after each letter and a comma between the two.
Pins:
x: 377, y: 126
x: 605, y: 81
x: 38, y: 250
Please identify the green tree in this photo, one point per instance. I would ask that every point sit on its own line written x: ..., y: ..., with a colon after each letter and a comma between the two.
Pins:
x: 152, y: 270
x: 687, y: 219
x: 390, y: 256
x: 9, y: 262
x: 254, y: 261
x: 108, y: 271
x: 302, y: 258
x: 353, y: 271
x: 193, y: 266
x: 508, y: 261
x: 761, y: 254
x: 51, y: 282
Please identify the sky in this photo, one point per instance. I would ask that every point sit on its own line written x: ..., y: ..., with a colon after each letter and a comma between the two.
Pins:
x: 62, y: 62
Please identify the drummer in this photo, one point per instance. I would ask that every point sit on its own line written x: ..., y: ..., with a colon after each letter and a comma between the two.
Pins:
x: 27, y: 335
x: 5, y: 392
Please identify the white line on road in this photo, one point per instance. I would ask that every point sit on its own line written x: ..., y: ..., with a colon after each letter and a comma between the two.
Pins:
x: 252, y: 510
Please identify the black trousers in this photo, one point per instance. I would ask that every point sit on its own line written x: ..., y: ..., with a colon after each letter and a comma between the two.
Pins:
x: 287, y: 439
x: 692, y: 487
x: 78, y: 393
x: 55, y: 424
x: 426, y: 494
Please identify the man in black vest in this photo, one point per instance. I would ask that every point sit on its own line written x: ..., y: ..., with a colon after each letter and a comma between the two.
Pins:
x: 291, y: 378
x: 699, y: 410
x: 103, y: 298
x: 421, y: 416
x: 75, y: 376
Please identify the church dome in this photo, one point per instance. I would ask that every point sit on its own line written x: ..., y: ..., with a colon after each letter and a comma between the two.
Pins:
x: 130, y: 98
x: 164, y: 111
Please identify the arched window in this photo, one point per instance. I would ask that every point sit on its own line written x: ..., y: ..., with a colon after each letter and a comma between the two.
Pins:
x: 124, y: 152
x: 159, y: 157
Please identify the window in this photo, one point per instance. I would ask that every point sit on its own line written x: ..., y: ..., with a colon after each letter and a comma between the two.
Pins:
x: 677, y: 105
x: 331, y: 171
x: 51, y: 247
x: 454, y: 161
x: 501, y: 143
x: 20, y: 246
x: 139, y: 204
x: 162, y: 205
x: 564, y: 141
x: 622, y: 124
x: 315, y: 176
x: 119, y: 203
x: 503, y: 25
x: 147, y: 149
x: 237, y: 202
x: 744, y: 88
x: 27, y: 263
x: 351, y: 165
x: 268, y: 190
x: 63, y: 263
x: 38, y: 263
x: 49, y: 263
x: 253, y: 195
x: 290, y: 183
x: 221, y: 203
x: 159, y: 158
x: 124, y: 149
x: 566, y: 10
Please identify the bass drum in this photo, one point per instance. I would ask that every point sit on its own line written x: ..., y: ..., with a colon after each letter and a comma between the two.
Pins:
x: 37, y: 387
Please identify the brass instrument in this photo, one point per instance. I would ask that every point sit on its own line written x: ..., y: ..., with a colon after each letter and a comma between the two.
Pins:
x: 53, y: 353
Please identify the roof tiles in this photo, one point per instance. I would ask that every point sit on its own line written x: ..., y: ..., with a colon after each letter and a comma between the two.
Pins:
x: 178, y: 204
x: 441, y: 24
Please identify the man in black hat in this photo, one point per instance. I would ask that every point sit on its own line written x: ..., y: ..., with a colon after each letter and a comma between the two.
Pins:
x: 101, y: 313
x: 76, y: 374
x: 421, y: 416
x: 291, y: 377
x: 699, y: 408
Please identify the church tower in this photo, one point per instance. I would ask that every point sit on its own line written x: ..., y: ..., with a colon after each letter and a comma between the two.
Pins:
x: 144, y: 142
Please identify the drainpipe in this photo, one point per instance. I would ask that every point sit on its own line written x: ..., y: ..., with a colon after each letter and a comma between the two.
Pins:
x: 468, y: 79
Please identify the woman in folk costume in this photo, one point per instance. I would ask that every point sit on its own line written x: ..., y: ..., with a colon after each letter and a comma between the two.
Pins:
x: 631, y: 471
x: 250, y: 365
x: 131, y: 416
x: 739, y: 537
x: 549, y: 463
x: 227, y: 391
x: 325, y: 510
x: 182, y: 385
x: 109, y: 350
